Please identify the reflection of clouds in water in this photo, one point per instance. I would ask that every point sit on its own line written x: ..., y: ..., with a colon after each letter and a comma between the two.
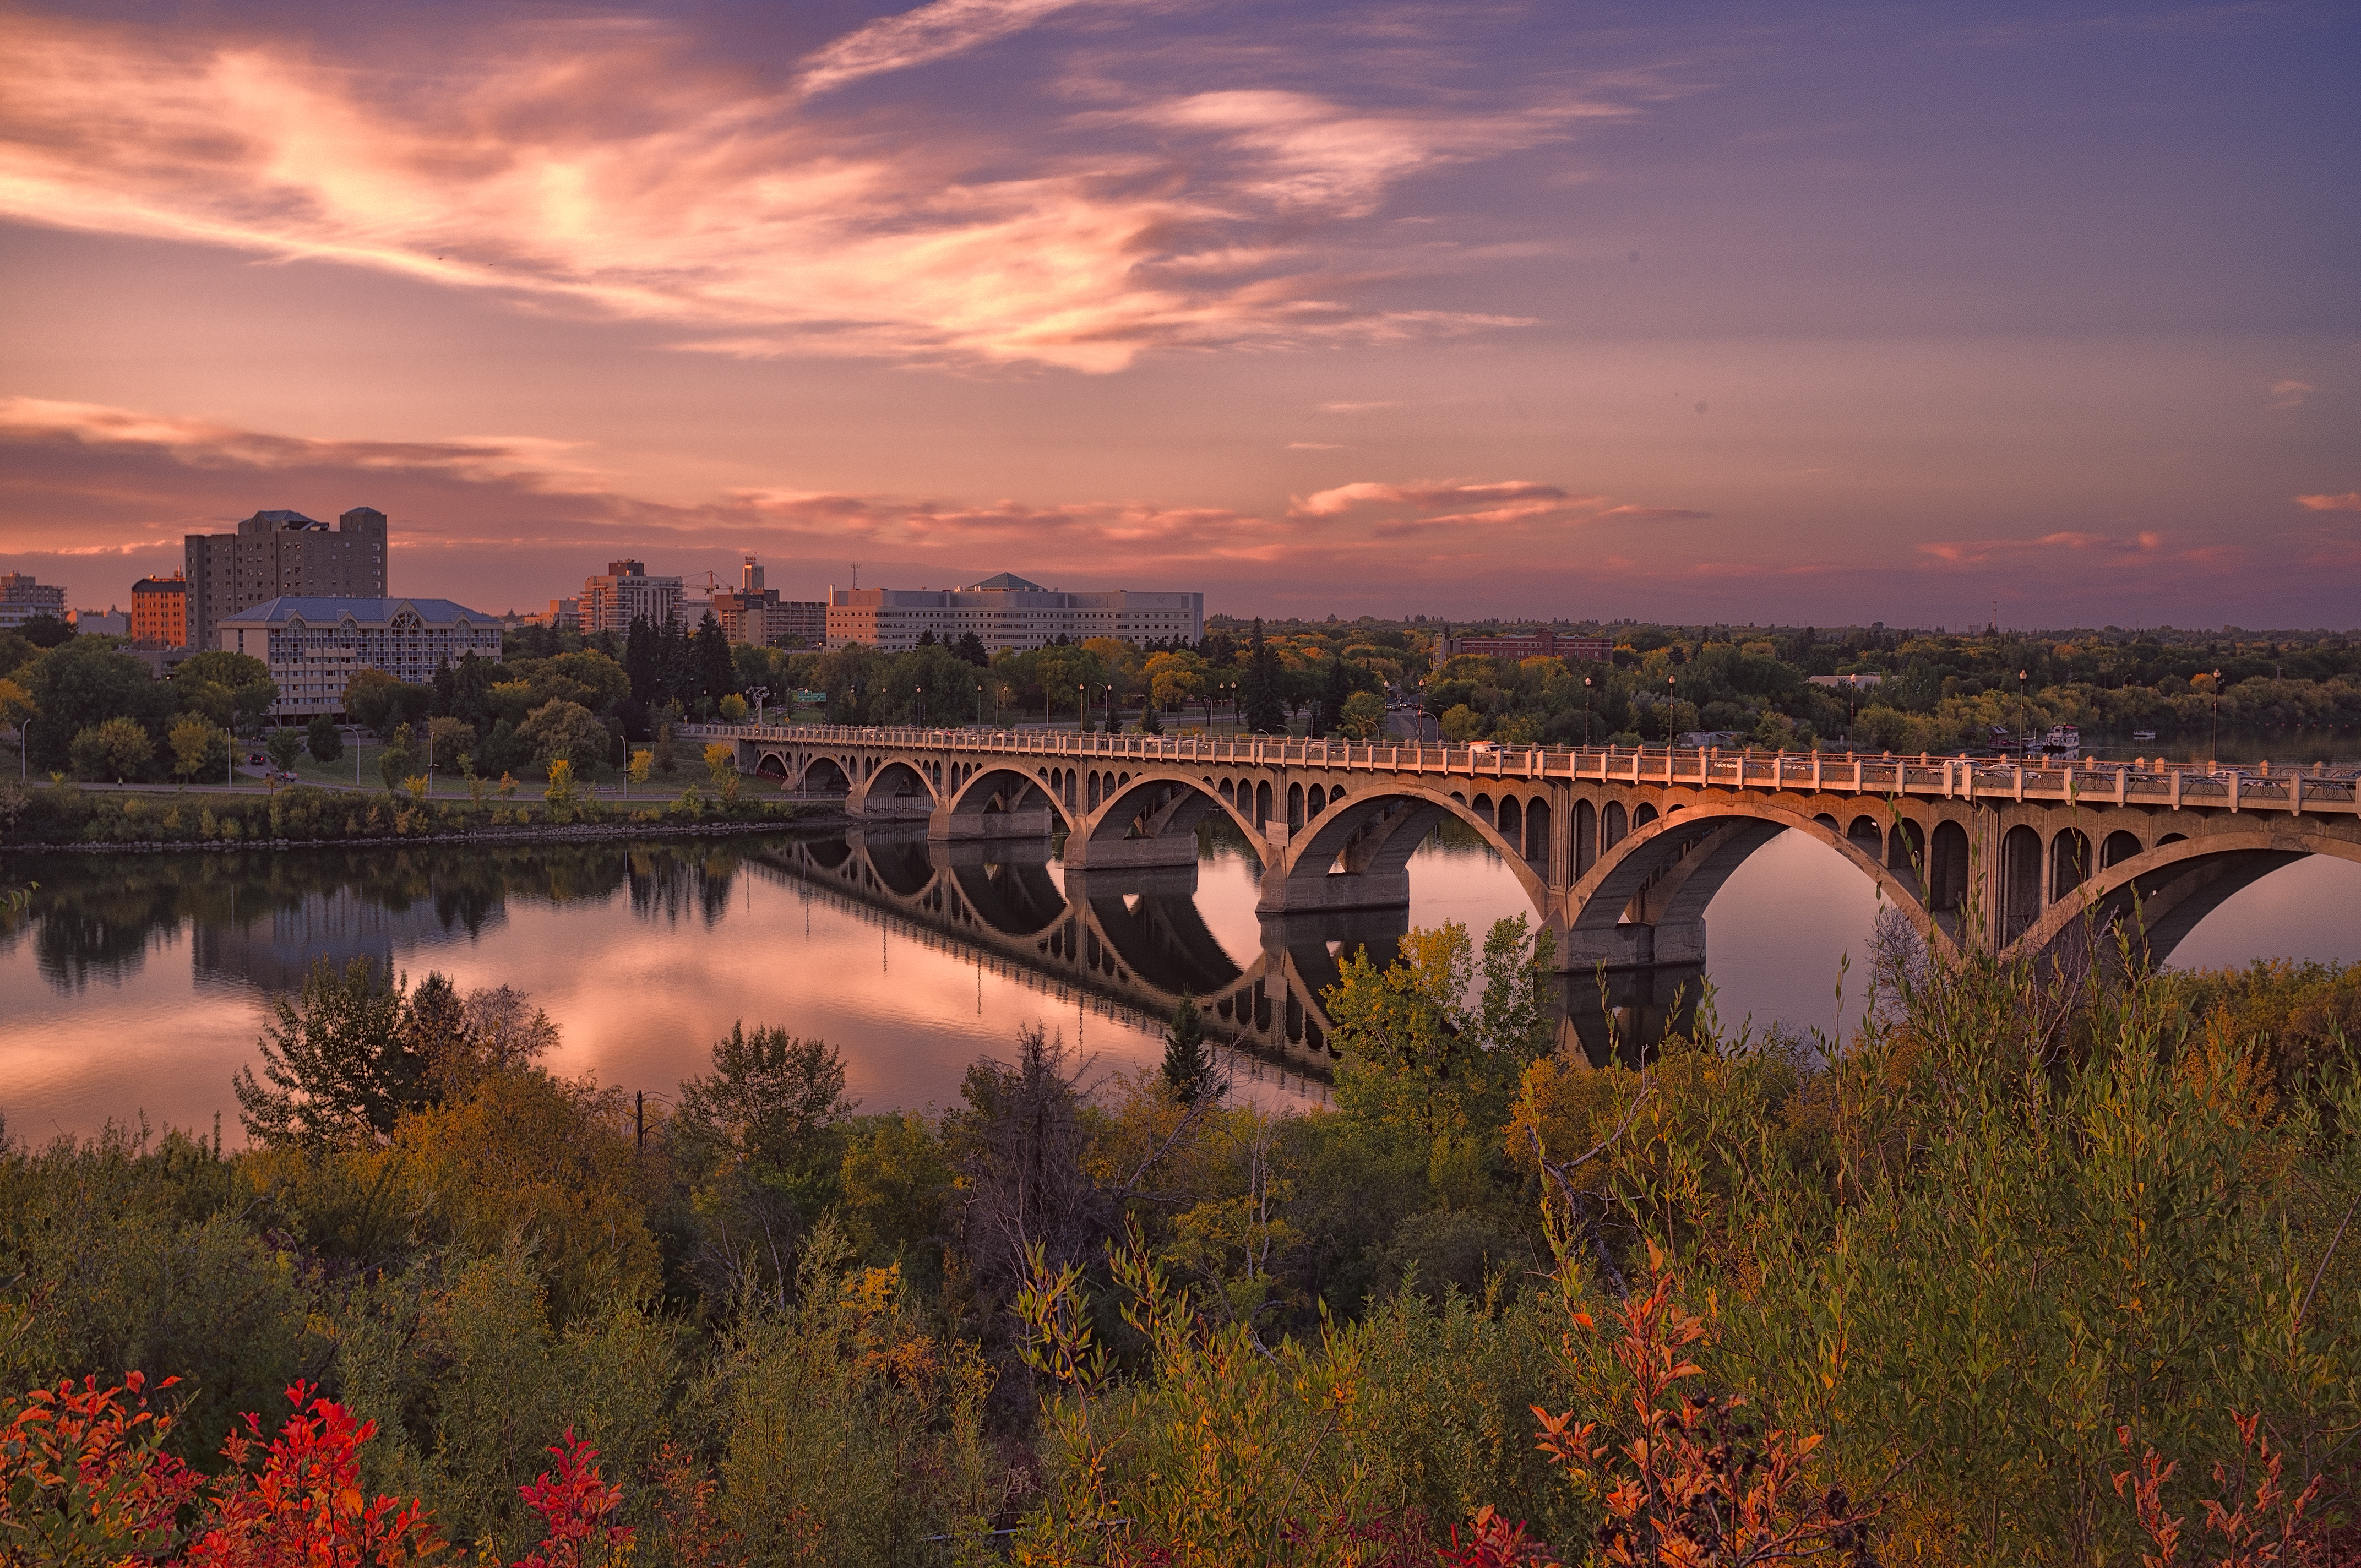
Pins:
x: 644, y: 957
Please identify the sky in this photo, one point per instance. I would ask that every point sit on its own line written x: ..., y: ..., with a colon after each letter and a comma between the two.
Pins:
x: 1808, y: 314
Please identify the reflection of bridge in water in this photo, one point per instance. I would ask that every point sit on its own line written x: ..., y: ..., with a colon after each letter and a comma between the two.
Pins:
x: 1134, y: 939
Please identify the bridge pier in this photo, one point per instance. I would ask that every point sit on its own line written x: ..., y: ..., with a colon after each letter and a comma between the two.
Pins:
x: 946, y: 825
x: 1086, y: 853
x: 1294, y: 892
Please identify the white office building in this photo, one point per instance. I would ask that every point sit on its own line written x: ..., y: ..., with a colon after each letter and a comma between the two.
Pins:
x: 1007, y: 612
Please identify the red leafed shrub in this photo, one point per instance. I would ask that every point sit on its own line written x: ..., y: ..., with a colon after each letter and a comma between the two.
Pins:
x: 304, y: 1504
x: 576, y: 1506
x: 2268, y: 1532
x: 1493, y: 1540
x: 82, y: 1479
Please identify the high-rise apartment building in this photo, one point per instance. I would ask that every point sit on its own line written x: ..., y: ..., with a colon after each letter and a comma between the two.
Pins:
x: 275, y: 553
x: 22, y: 597
x: 1007, y: 612
x: 624, y: 594
x: 757, y: 615
x: 159, y: 612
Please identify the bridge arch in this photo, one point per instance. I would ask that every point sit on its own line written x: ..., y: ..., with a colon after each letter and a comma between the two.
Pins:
x: 989, y: 790
x: 1162, y: 806
x: 822, y: 773
x: 2160, y: 895
x: 1356, y: 854
x: 1644, y: 902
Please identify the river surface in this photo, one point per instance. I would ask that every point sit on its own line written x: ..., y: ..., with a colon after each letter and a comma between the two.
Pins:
x: 138, y: 985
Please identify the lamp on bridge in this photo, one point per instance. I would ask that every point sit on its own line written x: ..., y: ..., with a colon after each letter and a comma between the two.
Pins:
x: 1586, y: 714
x: 2215, y: 748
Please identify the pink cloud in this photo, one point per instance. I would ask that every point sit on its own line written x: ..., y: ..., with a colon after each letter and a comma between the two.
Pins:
x: 597, y: 166
x: 2290, y: 394
x: 2349, y: 501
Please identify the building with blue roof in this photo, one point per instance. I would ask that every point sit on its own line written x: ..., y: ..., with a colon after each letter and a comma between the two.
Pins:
x: 313, y: 645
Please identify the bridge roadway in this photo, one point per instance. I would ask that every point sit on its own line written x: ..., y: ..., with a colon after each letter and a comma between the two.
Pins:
x: 1620, y: 852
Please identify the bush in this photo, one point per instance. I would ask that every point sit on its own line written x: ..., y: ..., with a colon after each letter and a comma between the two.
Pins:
x: 323, y: 739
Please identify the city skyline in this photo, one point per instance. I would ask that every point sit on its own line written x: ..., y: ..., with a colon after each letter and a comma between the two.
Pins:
x: 1466, y: 312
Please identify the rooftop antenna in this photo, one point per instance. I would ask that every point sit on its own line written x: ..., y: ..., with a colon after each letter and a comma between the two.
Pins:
x: 856, y: 574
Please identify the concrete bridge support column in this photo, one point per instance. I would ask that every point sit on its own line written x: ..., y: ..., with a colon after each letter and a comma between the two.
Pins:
x: 946, y: 825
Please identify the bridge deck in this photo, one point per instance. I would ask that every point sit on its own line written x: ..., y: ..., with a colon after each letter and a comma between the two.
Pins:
x: 2090, y: 783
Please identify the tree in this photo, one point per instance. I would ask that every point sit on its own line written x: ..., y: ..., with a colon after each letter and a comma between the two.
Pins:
x: 1149, y: 723
x: 1335, y: 691
x: 200, y: 751
x: 768, y: 1092
x: 84, y: 683
x: 234, y: 690
x: 116, y: 749
x: 567, y: 730
x: 716, y: 672
x: 1364, y: 715
x: 1262, y: 696
x: 339, y: 1062
x: 969, y: 648
x: 1188, y: 1068
x: 45, y: 631
x: 284, y: 745
x: 400, y: 758
x: 1416, y: 1054
x: 323, y: 739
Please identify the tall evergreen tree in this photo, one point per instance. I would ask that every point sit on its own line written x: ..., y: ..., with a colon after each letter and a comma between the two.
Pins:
x: 1334, y: 692
x: 713, y: 671
x: 643, y: 662
x: 1188, y: 1066
x: 1262, y: 700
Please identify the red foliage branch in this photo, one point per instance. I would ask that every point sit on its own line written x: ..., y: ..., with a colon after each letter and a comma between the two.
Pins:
x: 576, y: 1506
x: 304, y: 1504
x: 82, y: 1479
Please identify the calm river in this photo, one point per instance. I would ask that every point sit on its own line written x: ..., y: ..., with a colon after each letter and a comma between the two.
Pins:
x: 136, y: 985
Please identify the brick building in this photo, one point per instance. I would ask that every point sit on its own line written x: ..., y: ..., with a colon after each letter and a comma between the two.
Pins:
x: 159, y: 612
x: 314, y: 644
x: 755, y: 614
x: 22, y: 597
x: 280, y: 553
x: 1546, y: 644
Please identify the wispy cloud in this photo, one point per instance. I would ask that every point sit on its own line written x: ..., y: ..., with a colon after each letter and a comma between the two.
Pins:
x: 921, y: 37
x: 2290, y: 394
x: 602, y: 166
x: 2349, y: 501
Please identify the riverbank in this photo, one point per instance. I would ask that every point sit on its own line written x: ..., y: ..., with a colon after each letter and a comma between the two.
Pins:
x: 302, y: 816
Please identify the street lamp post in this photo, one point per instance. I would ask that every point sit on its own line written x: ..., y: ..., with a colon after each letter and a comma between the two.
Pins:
x: 1585, y: 712
x: 920, y: 692
x: 2023, y: 714
x: 1668, y: 711
x: 1082, y: 705
x: 2215, y: 748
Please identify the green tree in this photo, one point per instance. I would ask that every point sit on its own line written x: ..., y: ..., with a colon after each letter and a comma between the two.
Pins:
x: 400, y: 758
x: 200, y: 747
x: 566, y: 730
x: 82, y: 684
x: 714, y: 671
x: 234, y: 690
x: 1188, y: 1067
x: 339, y: 1065
x: 118, y: 749
x: 1262, y: 690
x: 768, y: 1092
x: 1364, y: 715
x: 323, y: 739
x: 284, y: 745
x: 1416, y: 1054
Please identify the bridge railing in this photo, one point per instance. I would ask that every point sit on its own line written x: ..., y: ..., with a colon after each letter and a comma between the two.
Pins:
x: 1842, y: 772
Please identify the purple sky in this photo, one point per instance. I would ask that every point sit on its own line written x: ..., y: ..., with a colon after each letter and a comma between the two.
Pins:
x: 1799, y: 314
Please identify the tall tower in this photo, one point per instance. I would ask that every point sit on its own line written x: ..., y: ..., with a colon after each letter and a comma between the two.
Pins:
x: 750, y: 575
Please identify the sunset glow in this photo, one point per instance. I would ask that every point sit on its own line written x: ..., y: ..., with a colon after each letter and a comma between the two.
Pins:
x: 1511, y: 310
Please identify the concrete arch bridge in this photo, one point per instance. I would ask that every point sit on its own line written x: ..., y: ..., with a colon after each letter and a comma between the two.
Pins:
x: 1618, y: 851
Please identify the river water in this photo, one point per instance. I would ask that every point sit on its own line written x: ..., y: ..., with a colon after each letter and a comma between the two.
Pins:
x: 136, y: 985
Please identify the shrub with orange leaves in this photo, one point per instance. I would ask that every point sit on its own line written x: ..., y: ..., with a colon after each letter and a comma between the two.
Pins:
x: 2264, y: 1533
x: 1694, y: 1480
x: 83, y: 1478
